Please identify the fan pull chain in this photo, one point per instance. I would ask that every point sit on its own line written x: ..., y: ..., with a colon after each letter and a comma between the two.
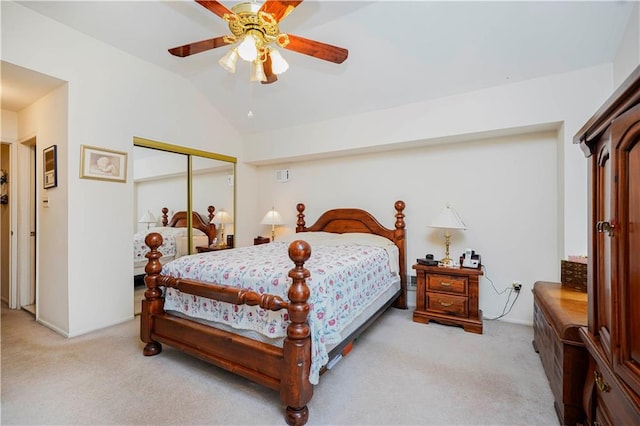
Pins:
x: 250, y: 113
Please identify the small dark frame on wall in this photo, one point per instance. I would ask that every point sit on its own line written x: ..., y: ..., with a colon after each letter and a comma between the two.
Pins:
x: 50, y: 171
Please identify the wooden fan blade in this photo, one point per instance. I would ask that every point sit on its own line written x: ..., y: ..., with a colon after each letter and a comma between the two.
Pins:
x: 279, y: 8
x: 316, y: 49
x: 268, y: 71
x: 198, y: 46
x: 215, y: 7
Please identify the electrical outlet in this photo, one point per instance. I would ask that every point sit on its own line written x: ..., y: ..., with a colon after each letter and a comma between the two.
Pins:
x: 517, y: 285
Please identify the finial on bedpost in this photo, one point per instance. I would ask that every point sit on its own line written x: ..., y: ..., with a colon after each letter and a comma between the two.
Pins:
x: 295, y: 388
x: 152, y: 303
x: 300, y: 225
x: 400, y: 205
x: 165, y: 216
x: 211, y: 211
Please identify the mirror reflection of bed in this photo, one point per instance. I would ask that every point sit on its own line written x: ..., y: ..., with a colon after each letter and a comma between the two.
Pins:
x: 175, y: 244
x: 162, y: 179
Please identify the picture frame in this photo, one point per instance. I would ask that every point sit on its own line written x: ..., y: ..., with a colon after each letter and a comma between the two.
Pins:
x: 102, y: 164
x: 50, y: 167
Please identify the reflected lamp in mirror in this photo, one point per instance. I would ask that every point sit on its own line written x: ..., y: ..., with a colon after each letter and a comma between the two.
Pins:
x: 222, y: 218
x: 274, y: 219
x: 447, y: 220
x: 148, y: 218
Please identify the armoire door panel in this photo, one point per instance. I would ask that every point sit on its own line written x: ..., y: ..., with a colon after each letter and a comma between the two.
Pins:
x: 602, y: 243
x: 625, y: 131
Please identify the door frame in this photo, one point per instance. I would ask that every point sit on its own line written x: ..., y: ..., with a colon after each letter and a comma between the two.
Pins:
x: 25, y: 202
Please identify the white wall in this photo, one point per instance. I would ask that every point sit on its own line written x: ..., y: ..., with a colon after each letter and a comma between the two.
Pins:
x: 559, y: 103
x: 507, y: 200
x: 47, y: 120
x: 628, y: 55
x: 9, y: 127
x: 112, y: 97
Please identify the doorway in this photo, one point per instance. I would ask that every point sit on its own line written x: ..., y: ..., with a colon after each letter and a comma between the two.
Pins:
x: 5, y: 221
x: 27, y: 278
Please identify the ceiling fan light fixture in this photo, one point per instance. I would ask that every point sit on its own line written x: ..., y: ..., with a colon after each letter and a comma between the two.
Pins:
x: 257, y: 71
x: 278, y: 64
x: 247, y: 49
x: 229, y: 61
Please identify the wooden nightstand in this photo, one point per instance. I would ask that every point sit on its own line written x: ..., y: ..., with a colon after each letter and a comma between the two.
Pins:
x: 260, y: 240
x: 204, y: 249
x: 448, y: 296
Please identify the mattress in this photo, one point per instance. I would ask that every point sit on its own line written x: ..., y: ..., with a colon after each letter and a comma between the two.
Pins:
x: 350, y: 273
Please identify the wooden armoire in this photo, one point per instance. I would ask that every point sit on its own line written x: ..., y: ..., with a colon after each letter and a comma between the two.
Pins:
x: 611, y: 142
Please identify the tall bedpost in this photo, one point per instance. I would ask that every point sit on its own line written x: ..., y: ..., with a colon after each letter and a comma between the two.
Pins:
x: 295, y: 388
x: 212, y: 226
x: 300, y: 225
x: 399, y: 237
x: 152, y: 303
x: 165, y: 216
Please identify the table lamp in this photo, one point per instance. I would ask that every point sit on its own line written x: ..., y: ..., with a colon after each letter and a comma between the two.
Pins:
x: 222, y: 218
x: 272, y: 218
x: 447, y: 220
x: 148, y: 218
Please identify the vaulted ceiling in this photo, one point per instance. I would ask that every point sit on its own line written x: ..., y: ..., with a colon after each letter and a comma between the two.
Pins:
x: 399, y: 52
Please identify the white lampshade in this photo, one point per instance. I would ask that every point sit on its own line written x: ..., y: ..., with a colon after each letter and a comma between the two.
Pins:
x: 278, y: 64
x: 448, y: 219
x: 257, y: 71
x: 272, y: 218
x: 148, y: 218
x: 247, y: 49
x: 222, y: 217
x: 229, y: 61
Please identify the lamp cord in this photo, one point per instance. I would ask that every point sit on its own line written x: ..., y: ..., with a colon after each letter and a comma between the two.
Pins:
x: 506, y: 309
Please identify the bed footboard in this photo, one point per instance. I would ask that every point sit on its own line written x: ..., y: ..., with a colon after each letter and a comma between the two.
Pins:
x: 285, y: 369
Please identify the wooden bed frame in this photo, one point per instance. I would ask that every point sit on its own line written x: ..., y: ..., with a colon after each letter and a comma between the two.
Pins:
x: 283, y: 369
x: 179, y: 220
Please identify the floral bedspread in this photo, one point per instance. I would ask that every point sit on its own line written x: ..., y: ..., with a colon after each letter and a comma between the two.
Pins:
x: 345, y: 278
x: 168, y: 247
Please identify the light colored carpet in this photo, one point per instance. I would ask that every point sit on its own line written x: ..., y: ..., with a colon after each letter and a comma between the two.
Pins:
x: 399, y: 372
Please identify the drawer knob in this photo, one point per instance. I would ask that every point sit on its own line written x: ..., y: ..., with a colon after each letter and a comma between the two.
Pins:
x: 600, y: 383
x: 445, y: 304
x: 445, y: 283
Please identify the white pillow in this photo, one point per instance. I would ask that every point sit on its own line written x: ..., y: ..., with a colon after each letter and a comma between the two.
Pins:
x: 174, y: 232
x: 364, y: 239
x: 310, y: 237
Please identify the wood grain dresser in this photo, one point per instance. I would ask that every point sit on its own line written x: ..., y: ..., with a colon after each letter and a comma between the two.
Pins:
x: 558, y: 313
x: 448, y: 296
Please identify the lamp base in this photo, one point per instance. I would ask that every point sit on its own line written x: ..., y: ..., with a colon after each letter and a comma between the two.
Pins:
x: 447, y: 262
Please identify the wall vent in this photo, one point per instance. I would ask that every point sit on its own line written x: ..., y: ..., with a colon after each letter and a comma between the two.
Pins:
x: 282, y: 175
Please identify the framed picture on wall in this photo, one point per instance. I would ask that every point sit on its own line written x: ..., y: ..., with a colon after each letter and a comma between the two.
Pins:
x: 50, y: 160
x: 103, y: 164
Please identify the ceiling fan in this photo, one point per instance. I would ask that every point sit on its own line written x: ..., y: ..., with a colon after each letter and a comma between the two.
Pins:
x: 255, y: 28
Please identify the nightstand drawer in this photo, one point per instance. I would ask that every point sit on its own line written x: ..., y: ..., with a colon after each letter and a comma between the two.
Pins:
x: 447, y: 304
x: 447, y: 283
